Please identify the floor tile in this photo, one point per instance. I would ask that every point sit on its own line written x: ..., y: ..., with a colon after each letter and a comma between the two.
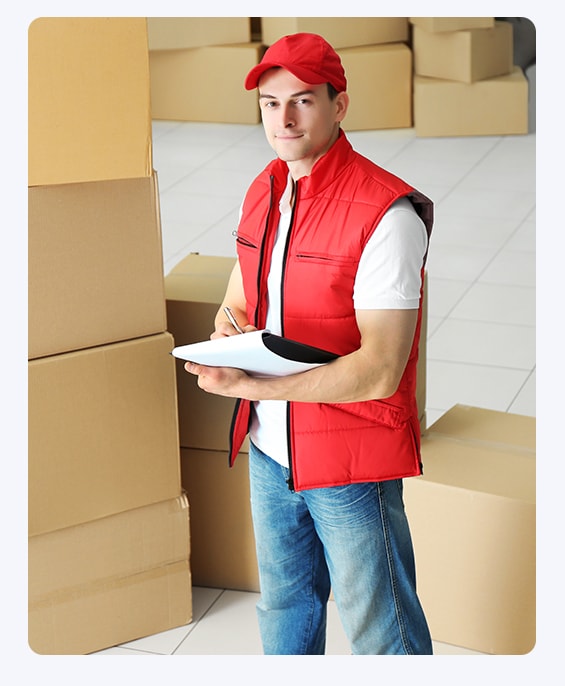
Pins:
x: 524, y: 238
x: 165, y: 642
x: 211, y: 183
x: 501, y: 303
x: 198, y: 212
x: 525, y: 400
x: 246, y: 159
x: 120, y: 650
x: 228, y: 628
x: 488, y: 202
x: 443, y: 295
x: 381, y: 146
x: 499, y: 345
x: 511, y: 267
x: 466, y: 231
x: 494, y: 388
x: 456, y: 262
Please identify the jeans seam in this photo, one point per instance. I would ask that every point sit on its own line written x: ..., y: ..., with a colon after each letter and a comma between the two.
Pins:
x: 392, y: 572
x: 307, y: 637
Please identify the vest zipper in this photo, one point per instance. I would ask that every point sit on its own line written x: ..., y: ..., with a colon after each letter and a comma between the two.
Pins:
x: 290, y: 480
x: 285, y: 253
x: 262, y: 253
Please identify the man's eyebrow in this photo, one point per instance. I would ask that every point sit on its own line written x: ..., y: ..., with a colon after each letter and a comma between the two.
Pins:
x: 294, y: 95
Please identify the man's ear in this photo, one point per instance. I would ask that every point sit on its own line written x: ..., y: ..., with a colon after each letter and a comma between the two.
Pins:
x: 342, y: 103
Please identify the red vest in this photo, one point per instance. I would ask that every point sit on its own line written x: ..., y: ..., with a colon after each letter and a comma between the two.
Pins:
x: 336, y: 210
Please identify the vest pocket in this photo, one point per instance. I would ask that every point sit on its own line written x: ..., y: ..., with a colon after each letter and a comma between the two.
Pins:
x: 376, y: 412
x: 324, y: 258
x: 245, y: 242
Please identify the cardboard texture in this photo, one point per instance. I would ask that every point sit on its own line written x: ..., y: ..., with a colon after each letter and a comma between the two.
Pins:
x: 89, y: 116
x: 95, y: 264
x: 109, y: 581
x: 371, y: 72
x: 472, y: 516
x: 175, y: 33
x: 434, y: 24
x: 103, y: 432
x: 340, y: 32
x: 194, y: 290
x: 467, y: 56
x: 491, y: 107
x: 222, y: 541
x: 182, y: 89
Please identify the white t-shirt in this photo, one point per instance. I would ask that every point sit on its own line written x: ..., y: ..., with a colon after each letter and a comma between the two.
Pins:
x: 388, y: 277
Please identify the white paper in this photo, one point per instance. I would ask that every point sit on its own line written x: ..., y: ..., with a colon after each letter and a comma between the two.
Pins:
x: 243, y: 351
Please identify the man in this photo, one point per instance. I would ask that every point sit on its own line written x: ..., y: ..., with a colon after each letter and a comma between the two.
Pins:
x: 331, y: 250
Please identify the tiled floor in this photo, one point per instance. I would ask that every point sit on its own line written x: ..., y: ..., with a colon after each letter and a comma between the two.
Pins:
x: 481, y: 327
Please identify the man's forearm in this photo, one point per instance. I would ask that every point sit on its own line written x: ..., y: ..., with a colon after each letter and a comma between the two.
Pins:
x: 348, y: 379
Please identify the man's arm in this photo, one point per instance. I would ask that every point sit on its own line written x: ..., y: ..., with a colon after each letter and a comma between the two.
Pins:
x: 373, y: 371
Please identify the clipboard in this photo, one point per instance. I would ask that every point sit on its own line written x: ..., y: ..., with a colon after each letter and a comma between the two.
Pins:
x: 259, y: 353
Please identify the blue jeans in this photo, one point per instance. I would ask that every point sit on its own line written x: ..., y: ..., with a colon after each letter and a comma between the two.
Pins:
x: 353, y: 539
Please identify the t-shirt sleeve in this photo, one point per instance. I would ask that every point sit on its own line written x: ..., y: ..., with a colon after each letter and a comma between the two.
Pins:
x: 389, y: 272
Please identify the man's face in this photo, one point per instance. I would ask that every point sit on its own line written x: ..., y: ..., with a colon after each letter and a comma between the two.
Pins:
x: 300, y: 121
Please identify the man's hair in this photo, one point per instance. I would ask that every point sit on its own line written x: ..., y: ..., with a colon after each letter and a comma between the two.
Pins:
x: 332, y: 92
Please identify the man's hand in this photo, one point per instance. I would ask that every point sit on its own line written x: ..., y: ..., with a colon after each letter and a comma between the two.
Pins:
x: 224, y: 328
x: 219, y: 380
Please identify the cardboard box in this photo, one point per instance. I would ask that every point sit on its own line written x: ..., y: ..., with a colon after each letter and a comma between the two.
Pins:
x: 379, y: 82
x: 89, y: 115
x: 340, y: 32
x: 222, y: 540
x: 467, y: 56
x: 492, y: 107
x: 472, y: 516
x: 174, y: 33
x: 103, y: 432
x: 95, y: 264
x: 194, y: 290
x: 182, y: 88
x: 111, y: 580
x: 434, y: 24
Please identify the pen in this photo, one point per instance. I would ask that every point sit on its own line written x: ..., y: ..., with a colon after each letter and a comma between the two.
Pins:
x: 233, y: 320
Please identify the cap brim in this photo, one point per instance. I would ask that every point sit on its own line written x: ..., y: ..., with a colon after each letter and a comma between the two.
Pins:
x: 252, y: 79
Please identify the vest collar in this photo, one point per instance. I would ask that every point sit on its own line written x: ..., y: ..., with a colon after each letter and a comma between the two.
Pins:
x: 324, y: 171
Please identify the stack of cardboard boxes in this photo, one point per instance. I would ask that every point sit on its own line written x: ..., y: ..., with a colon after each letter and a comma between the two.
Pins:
x: 445, y: 76
x: 108, y: 522
x: 222, y: 542
x: 465, y: 82
x: 197, y: 67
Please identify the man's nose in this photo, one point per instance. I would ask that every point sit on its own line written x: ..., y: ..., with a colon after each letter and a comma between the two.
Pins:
x: 287, y: 114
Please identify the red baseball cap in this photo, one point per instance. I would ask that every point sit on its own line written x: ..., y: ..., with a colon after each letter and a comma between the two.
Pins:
x: 306, y: 55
